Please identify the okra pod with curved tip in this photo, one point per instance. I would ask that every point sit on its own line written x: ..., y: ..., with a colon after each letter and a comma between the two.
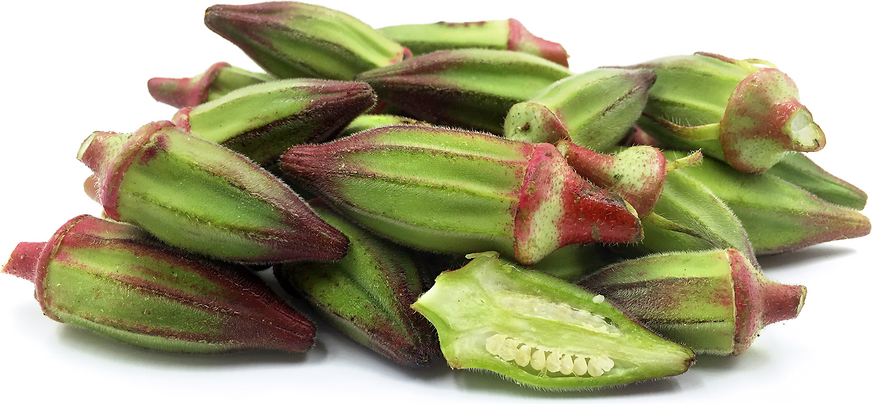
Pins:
x: 466, y: 88
x: 734, y: 110
x: 593, y: 109
x: 777, y: 215
x: 367, y: 293
x: 262, y: 121
x: 290, y: 39
x: 507, y: 34
x: 541, y: 331
x: 205, y: 198
x: 458, y: 191
x: 713, y: 302
x: 118, y: 281
x: 218, y: 80
x: 799, y: 170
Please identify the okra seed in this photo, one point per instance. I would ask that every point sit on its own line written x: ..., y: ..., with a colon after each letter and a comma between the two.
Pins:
x: 566, y: 364
x: 579, y: 367
x: 494, y: 344
x: 593, y: 369
x: 522, y: 357
x: 549, y: 359
x: 603, y: 362
x: 509, y: 349
x: 552, y: 362
x: 537, y: 360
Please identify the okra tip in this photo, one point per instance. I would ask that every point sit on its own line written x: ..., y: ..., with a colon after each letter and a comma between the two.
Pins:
x: 783, y: 302
x: 24, y: 260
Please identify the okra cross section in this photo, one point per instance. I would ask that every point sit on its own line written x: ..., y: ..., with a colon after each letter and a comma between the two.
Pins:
x: 540, y: 331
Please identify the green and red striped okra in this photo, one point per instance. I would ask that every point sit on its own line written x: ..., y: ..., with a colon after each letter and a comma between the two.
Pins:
x: 466, y: 88
x: 119, y: 281
x: 800, y: 170
x: 197, y: 195
x: 777, y: 215
x: 734, y: 110
x: 367, y: 293
x: 262, y: 121
x: 507, y: 34
x: 459, y: 191
x: 594, y: 109
x: 218, y: 80
x: 713, y: 302
x: 291, y: 39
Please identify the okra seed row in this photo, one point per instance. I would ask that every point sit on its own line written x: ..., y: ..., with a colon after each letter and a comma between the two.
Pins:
x: 549, y: 359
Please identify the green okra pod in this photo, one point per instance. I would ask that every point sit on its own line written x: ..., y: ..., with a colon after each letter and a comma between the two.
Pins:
x: 119, y: 281
x: 507, y: 34
x: 800, y: 170
x: 262, y: 121
x: 458, y: 191
x: 713, y: 302
x: 466, y: 88
x: 197, y: 195
x: 777, y: 215
x: 367, y: 293
x: 594, y: 109
x: 290, y: 39
x: 218, y: 80
x: 744, y: 112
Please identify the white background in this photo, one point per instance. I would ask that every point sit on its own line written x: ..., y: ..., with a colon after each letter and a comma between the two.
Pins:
x: 70, y: 68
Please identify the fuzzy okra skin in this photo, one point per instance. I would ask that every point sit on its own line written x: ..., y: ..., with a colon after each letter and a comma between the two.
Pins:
x: 541, y: 331
x: 117, y: 280
x: 713, y: 302
x: 507, y: 34
x: 777, y: 215
x: 594, y: 109
x: 218, y: 80
x: 638, y: 173
x: 291, y: 39
x: 372, y: 121
x: 576, y: 261
x: 695, y: 220
x: 262, y: 121
x: 734, y: 110
x: 465, y: 88
x: 367, y: 293
x: 798, y: 169
x: 205, y: 198
x: 458, y: 191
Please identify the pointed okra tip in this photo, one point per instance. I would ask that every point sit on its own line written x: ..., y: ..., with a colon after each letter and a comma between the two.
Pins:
x: 100, y: 149
x: 760, y: 301
x: 24, y: 260
x: 520, y: 39
x: 187, y: 91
